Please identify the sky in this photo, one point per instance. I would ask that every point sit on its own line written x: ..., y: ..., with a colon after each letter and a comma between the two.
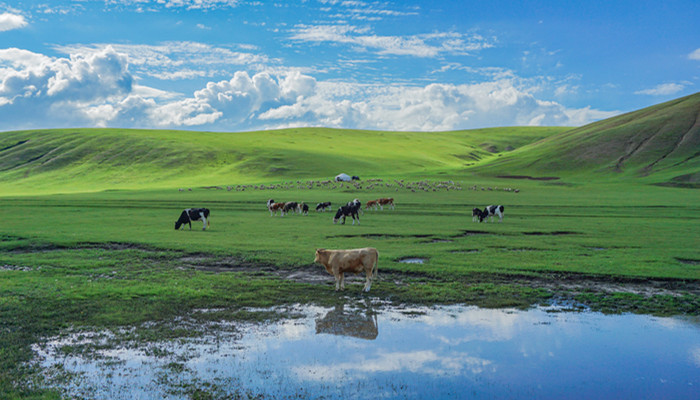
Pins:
x: 402, y: 65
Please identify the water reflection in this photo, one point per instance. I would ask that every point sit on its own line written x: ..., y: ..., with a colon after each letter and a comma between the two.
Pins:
x: 446, y: 352
x: 359, y: 323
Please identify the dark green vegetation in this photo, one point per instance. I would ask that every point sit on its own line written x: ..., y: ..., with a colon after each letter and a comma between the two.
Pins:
x: 616, y: 232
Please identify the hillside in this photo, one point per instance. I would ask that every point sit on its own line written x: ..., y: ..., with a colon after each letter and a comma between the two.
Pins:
x: 658, y: 144
x: 77, y: 160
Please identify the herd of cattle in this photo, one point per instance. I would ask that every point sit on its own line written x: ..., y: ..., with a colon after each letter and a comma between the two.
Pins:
x: 337, y: 262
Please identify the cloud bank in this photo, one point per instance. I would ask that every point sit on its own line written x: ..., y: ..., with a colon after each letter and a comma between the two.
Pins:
x: 97, y: 89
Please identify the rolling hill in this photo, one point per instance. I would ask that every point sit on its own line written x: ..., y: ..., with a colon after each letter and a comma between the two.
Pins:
x: 76, y: 160
x: 659, y: 144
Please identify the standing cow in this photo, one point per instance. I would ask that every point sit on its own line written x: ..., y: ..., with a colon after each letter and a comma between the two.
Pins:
x: 338, y: 262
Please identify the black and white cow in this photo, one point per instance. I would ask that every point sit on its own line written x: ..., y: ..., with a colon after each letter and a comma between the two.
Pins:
x: 323, y: 206
x: 290, y: 206
x: 490, y: 211
x: 349, y: 210
x: 477, y: 215
x: 303, y: 209
x: 357, y: 203
x: 193, y: 214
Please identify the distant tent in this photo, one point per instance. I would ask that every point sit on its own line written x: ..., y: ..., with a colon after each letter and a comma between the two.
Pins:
x: 343, y: 178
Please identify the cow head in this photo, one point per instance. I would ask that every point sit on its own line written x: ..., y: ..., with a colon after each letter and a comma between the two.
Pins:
x: 319, y: 255
x: 337, y: 215
x: 177, y: 225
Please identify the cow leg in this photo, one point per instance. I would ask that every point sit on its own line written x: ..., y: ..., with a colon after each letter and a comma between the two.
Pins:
x: 368, y: 283
x: 337, y: 282
x: 204, y: 221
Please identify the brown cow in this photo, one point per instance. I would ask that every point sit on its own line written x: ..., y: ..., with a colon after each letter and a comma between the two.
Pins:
x: 371, y: 204
x: 386, y: 201
x: 338, y: 262
x: 274, y: 207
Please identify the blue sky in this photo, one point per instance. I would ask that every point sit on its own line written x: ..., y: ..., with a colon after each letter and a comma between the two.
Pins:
x: 234, y: 65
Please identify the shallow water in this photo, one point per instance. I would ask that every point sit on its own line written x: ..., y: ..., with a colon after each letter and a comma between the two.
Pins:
x: 446, y: 352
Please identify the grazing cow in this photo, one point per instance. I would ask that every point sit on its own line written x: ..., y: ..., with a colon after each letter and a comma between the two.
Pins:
x: 371, y: 204
x: 303, y: 209
x: 384, y: 201
x: 323, y: 206
x: 357, y: 203
x: 349, y: 210
x: 477, y: 215
x: 193, y: 214
x: 290, y: 206
x: 274, y: 207
x: 490, y: 211
x: 355, y: 178
x: 338, y: 262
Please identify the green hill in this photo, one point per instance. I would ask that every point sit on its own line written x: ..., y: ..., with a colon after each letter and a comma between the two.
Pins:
x: 76, y: 160
x: 658, y: 144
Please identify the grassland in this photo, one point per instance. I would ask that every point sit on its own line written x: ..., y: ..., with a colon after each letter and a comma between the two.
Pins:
x: 87, y: 239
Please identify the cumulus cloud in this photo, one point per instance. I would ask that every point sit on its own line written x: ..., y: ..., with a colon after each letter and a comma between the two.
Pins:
x: 433, y: 107
x: 694, y: 55
x: 177, y: 60
x: 34, y: 87
x: 663, y: 89
x: 10, y: 21
x: 96, y: 88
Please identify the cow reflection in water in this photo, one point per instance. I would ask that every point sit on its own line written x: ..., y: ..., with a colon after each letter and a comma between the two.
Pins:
x: 361, y: 324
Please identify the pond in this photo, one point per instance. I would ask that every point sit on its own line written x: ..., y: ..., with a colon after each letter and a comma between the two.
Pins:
x: 363, y: 352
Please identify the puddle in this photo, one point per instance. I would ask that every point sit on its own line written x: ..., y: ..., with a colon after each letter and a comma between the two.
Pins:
x: 361, y: 352
x: 412, y: 260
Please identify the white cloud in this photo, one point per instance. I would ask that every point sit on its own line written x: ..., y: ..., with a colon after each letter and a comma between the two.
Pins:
x: 177, y: 60
x: 96, y: 88
x: 188, y: 4
x: 663, y: 89
x: 427, y: 45
x: 694, y: 55
x: 434, y: 107
x: 9, y: 22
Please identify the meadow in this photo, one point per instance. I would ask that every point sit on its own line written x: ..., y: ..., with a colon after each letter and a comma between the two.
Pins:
x: 88, y: 238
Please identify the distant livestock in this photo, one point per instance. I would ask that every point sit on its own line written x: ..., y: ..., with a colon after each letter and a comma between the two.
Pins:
x: 304, y: 209
x: 193, y: 214
x: 477, y: 215
x: 290, y: 206
x: 386, y: 201
x: 274, y: 207
x: 349, y: 210
x: 490, y: 211
x: 338, y: 262
x: 323, y: 206
x: 371, y: 204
